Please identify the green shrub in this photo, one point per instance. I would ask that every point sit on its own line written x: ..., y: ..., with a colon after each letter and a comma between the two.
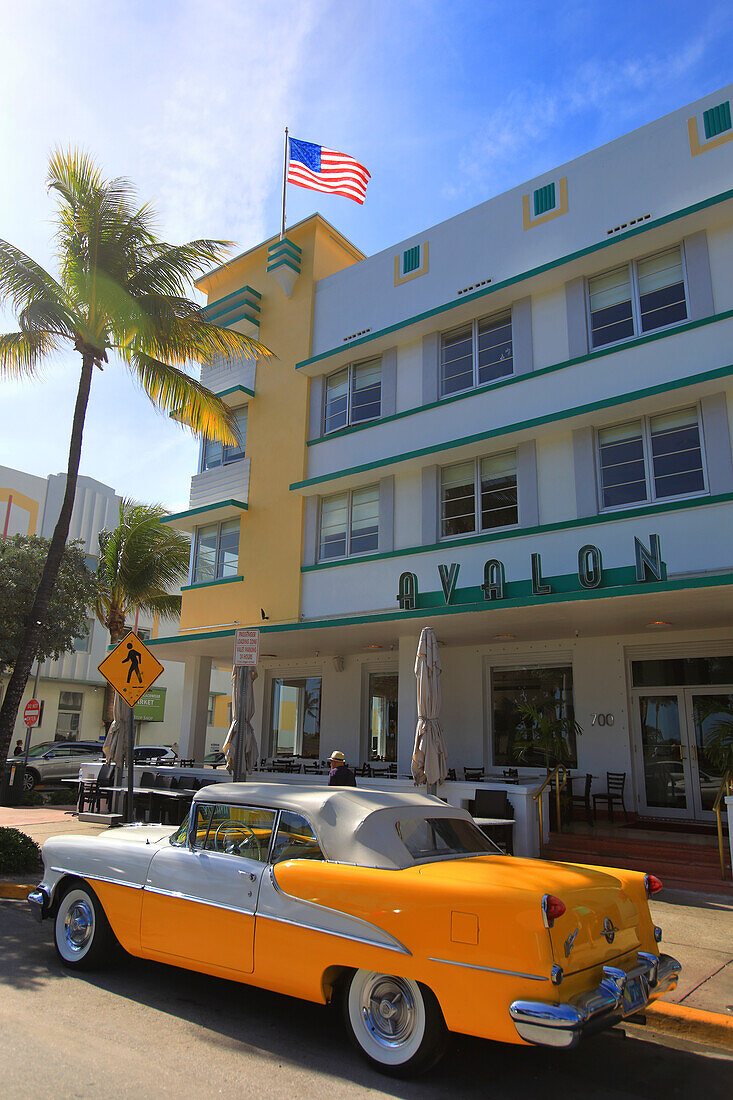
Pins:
x: 17, y: 852
x: 31, y: 798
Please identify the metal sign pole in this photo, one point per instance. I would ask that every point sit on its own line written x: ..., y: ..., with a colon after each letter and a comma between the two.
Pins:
x: 245, y: 681
x: 129, y: 807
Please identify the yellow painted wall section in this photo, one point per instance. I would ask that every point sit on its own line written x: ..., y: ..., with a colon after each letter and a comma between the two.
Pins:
x: 271, y: 533
x: 24, y: 503
x: 221, y: 711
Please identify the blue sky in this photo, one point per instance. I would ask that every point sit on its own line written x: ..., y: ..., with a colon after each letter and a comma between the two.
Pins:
x: 447, y: 103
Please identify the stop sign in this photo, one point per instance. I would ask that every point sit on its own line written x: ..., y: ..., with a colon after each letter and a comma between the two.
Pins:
x: 31, y: 712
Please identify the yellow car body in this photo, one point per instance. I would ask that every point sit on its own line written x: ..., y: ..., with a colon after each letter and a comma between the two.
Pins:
x: 306, y: 892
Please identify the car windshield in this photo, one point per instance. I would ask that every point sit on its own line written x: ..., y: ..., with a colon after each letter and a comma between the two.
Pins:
x: 441, y: 837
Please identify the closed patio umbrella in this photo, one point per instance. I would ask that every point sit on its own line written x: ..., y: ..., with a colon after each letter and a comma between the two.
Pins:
x: 242, y: 717
x: 114, y: 748
x: 428, y: 755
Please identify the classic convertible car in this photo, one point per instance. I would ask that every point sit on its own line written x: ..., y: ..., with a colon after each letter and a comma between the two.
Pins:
x: 396, y: 905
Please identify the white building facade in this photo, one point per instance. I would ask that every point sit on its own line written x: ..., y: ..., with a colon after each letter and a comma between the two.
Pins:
x: 71, y: 689
x: 520, y: 434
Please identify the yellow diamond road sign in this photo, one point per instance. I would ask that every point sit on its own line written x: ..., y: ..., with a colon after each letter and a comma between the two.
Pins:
x: 131, y: 668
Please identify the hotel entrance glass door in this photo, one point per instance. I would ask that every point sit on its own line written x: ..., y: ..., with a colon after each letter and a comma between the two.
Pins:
x: 676, y: 730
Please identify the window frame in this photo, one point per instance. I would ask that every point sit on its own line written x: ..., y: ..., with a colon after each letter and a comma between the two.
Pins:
x: 477, y: 530
x: 190, y: 836
x: 474, y: 323
x: 632, y: 267
x: 349, y: 505
x: 226, y: 458
x: 646, y: 440
x: 350, y: 422
x: 217, y: 576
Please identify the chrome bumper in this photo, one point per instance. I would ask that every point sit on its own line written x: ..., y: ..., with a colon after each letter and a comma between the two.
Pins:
x: 39, y: 901
x: 562, y: 1025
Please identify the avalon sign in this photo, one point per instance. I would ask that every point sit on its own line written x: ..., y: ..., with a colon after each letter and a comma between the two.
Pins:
x: 648, y: 567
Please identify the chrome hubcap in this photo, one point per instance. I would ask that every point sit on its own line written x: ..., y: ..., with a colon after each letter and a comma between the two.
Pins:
x: 388, y: 1010
x: 78, y: 925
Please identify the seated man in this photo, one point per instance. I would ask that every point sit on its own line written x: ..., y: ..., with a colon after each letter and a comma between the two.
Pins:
x: 340, y: 775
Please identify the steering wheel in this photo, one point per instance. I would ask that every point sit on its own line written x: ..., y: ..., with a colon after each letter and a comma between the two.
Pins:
x: 245, y: 845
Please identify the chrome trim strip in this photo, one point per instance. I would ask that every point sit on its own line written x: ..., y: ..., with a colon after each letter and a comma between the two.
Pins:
x: 97, y: 878
x: 336, y: 912
x: 201, y: 901
x: 339, y: 935
x: 490, y: 969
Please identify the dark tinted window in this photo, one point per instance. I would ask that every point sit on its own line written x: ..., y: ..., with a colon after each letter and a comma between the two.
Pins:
x: 682, y: 671
x: 432, y: 837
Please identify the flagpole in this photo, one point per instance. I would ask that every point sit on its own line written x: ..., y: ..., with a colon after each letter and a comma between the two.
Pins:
x: 285, y: 178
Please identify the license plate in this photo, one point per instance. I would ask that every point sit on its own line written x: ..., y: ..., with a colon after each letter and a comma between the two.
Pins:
x: 634, y: 996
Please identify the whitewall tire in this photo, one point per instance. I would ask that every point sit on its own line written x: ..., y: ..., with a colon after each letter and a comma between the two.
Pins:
x: 395, y: 1022
x: 82, y: 935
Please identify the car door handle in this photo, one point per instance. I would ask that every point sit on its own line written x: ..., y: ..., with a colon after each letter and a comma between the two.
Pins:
x: 252, y: 876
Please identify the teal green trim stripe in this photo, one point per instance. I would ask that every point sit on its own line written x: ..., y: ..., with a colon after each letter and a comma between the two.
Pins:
x: 235, y: 389
x: 211, y: 584
x: 205, y: 508
x: 549, y: 266
x: 490, y: 537
x: 680, y: 585
x: 236, y: 312
x: 520, y: 425
x: 246, y: 289
x: 285, y: 242
x: 283, y: 263
x: 517, y: 378
x: 283, y: 250
x: 191, y: 637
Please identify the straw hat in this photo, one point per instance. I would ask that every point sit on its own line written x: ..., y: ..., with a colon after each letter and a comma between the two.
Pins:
x: 337, y: 757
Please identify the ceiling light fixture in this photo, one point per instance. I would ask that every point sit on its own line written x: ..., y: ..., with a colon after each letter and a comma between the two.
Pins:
x: 372, y: 646
x: 505, y: 635
x: 659, y: 622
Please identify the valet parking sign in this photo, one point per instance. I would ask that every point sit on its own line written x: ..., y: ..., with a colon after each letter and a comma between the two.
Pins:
x: 246, y: 647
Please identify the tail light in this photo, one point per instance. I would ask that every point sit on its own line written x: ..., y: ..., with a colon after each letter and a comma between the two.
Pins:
x: 652, y: 885
x: 552, y: 908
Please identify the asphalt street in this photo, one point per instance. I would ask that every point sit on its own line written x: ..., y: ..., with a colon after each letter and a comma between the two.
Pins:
x: 150, y: 1030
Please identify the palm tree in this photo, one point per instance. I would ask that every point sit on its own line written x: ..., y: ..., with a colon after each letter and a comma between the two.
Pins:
x: 139, y: 562
x: 120, y: 292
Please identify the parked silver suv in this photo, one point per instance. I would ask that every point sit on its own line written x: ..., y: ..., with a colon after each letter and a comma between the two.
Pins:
x: 51, y: 761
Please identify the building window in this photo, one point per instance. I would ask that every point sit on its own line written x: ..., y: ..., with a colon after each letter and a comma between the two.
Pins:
x: 82, y: 643
x: 476, y: 353
x: 651, y: 459
x: 210, y: 710
x: 353, y: 395
x: 295, y: 721
x: 638, y: 297
x: 545, y: 735
x: 383, y: 697
x: 144, y: 633
x: 492, y: 482
x: 411, y: 259
x: 717, y: 120
x: 350, y: 523
x: 68, y: 720
x: 544, y: 199
x: 216, y: 454
x: 217, y: 551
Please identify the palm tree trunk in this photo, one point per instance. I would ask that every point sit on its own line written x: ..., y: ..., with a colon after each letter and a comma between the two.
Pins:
x: 117, y: 631
x: 29, y: 645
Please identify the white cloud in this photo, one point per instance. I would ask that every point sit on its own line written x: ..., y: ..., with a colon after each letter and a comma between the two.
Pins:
x: 521, y: 136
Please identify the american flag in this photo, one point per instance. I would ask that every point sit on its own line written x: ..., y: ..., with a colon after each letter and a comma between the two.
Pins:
x: 321, y: 169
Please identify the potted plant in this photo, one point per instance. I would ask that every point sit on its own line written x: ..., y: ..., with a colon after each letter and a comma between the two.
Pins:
x: 546, y: 732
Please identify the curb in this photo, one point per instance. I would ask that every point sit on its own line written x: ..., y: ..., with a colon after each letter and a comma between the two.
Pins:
x: 692, y: 1023
x: 16, y: 891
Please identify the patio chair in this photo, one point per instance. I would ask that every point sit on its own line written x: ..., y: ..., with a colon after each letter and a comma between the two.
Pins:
x: 615, y: 783
x: 494, y: 804
x: 510, y: 775
x: 472, y: 774
x: 581, y: 801
x: 93, y: 792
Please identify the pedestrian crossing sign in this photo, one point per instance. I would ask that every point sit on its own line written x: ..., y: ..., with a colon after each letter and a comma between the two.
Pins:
x: 131, y: 668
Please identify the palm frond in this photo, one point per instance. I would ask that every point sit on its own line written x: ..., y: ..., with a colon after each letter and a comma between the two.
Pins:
x: 171, y: 268
x: 167, y: 605
x: 42, y: 316
x: 172, y: 390
x: 22, y: 352
x: 23, y: 281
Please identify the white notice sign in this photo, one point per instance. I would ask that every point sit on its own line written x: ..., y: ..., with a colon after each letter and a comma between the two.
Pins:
x: 246, y: 646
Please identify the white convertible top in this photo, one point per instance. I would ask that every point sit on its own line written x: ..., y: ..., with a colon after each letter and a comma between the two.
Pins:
x: 353, y: 824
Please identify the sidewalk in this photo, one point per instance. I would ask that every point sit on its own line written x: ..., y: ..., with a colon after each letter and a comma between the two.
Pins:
x: 697, y: 929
